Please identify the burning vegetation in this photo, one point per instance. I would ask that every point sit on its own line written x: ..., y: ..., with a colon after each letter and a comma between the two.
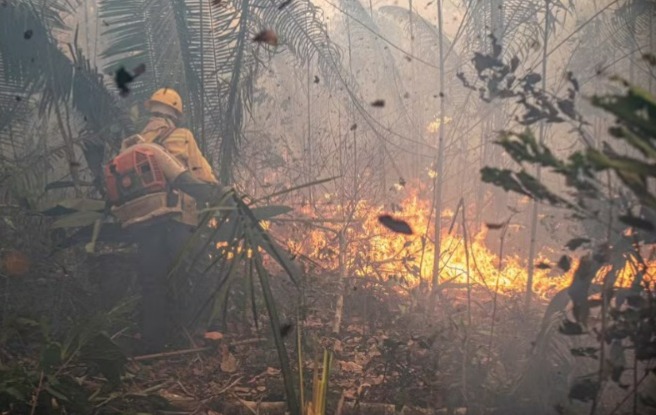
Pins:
x: 308, y: 207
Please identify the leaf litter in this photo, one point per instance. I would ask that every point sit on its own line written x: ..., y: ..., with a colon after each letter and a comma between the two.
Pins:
x: 267, y: 36
x: 395, y: 225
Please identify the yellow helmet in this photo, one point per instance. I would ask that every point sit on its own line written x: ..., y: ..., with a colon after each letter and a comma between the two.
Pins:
x: 168, y: 97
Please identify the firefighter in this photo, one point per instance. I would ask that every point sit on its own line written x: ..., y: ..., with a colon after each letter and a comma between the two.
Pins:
x: 160, y: 216
x: 165, y: 106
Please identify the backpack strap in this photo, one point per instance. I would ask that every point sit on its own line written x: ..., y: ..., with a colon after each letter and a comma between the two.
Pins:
x: 170, y: 127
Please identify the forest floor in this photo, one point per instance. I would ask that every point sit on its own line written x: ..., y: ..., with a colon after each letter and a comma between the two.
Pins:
x: 390, y: 356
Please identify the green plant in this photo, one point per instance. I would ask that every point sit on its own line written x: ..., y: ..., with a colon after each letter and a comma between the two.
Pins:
x: 626, y: 315
x: 53, y: 381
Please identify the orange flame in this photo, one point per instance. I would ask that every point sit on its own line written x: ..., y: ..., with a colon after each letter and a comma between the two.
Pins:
x: 372, y: 250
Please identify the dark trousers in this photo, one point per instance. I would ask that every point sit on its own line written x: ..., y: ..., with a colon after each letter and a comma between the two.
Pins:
x: 158, y: 246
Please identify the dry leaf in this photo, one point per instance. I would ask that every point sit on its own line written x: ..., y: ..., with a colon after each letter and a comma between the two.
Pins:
x: 378, y: 103
x: 352, y: 328
x: 15, y: 263
x: 494, y: 226
x: 213, y: 335
x: 284, y: 4
x: 267, y: 36
x: 272, y: 371
x: 285, y: 329
x: 228, y: 360
x: 350, y: 367
x: 542, y: 265
x: 395, y: 225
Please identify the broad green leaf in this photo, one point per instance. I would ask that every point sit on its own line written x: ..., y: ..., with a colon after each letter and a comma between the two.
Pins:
x: 502, y: 178
x: 584, y: 390
x: 78, y: 219
x: 65, y: 206
x: 104, y: 353
x: 573, y: 244
x: 636, y: 222
x: 51, y: 356
x: 267, y: 212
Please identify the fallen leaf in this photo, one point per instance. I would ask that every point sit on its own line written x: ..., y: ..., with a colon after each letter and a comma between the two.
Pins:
x: 565, y: 263
x: 272, y: 371
x: 494, y: 226
x: 267, y: 36
x: 355, y: 328
x: 395, y: 225
x: 542, y: 265
x: 285, y: 329
x: 650, y: 58
x: 353, y: 127
x: 139, y: 70
x: 213, y: 335
x: 570, y: 328
x: 350, y: 367
x: 28, y: 34
x: 378, y: 103
x: 15, y: 263
x: 573, y: 244
x: 228, y: 361
x: 636, y: 222
x: 316, y: 79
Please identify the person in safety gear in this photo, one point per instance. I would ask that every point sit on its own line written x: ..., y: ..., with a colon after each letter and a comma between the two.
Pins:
x: 154, y: 186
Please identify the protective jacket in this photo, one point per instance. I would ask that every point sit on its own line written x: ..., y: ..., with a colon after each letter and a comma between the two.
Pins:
x: 180, y: 143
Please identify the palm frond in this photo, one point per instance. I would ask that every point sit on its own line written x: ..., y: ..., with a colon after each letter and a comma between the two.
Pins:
x: 629, y: 22
x: 426, y: 36
x: 27, y: 48
x: 37, y: 65
x: 207, y: 35
x: 518, y: 18
x: 300, y: 27
x: 144, y: 32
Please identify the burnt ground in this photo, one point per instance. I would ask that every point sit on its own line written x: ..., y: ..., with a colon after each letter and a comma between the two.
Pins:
x: 390, y: 352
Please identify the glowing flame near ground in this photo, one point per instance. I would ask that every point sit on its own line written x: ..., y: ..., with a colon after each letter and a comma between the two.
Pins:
x: 372, y: 250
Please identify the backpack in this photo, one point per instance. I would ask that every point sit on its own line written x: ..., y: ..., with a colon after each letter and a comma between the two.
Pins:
x: 136, y: 186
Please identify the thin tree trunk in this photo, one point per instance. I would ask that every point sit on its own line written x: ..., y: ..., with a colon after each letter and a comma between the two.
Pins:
x: 480, y: 193
x: 538, y: 175
x: 203, y: 144
x: 339, y: 307
x: 310, y: 157
x: 465, y: 355
x: 229, y: 143
x: 440, y: 160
